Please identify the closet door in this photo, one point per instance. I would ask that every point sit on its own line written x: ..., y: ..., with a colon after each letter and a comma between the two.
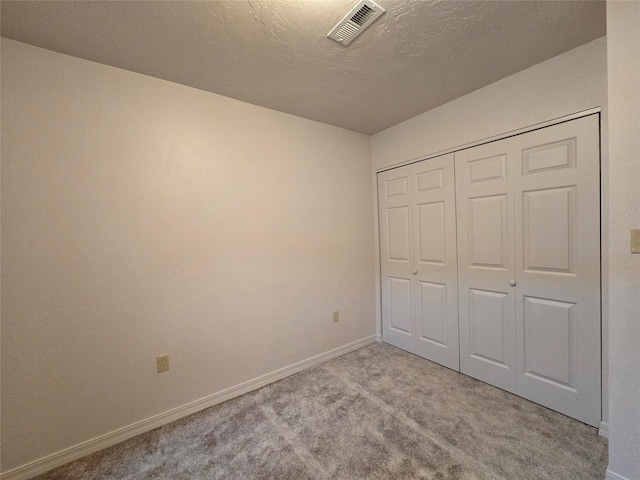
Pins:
x: 435, y: 263
x: 557, y: 204
x: 396, y: 258
x: 418, y: 259
x: 486, y: 263
x: 529, y: 265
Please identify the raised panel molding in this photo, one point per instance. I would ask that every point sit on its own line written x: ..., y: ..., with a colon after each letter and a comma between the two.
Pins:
x: 549, y: 230
x: 488, y: 231
x: 400, y: 300
x: 432, y: 232
x: 486, y: 169
x: 430, y: 180
x: 398, y: 233
x: 488, y: 326
x: 552, y: 156
x: 397, y: 186
x: 433, y: 312
x: 549, y: 331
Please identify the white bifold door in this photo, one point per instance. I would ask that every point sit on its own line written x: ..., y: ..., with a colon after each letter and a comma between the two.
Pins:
x: 418, y: 259
x: 528, y: 227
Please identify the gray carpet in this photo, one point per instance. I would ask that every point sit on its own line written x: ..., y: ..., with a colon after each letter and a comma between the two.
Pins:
x: 377, y: 413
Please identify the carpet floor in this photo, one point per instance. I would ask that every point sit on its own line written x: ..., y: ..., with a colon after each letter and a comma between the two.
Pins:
x: 377, y: 413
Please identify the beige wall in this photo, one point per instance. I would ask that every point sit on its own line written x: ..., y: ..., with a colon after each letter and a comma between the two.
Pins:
x: 569, y: 83
x: 623, y: 26
x: 141, y: 218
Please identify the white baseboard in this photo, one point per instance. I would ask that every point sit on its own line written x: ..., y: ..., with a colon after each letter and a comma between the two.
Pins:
x: 379, y: 338
x: 603, y: 431
x: 614, y: 476
x: 83, y: 449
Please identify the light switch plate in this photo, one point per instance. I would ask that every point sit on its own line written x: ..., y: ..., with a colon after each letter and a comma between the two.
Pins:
x: 635, y: 240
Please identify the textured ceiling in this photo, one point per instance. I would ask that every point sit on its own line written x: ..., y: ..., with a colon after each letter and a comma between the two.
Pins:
x: 274, y: 53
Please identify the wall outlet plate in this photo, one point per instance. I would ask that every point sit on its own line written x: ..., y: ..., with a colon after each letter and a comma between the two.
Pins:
x: 162, y: 363
x: 635, y: 240
x: 336, y: 317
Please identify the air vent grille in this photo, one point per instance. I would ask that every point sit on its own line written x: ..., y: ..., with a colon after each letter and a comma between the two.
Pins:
x: 347, y: 31
x: 356, y: 21
x: 362, y: 15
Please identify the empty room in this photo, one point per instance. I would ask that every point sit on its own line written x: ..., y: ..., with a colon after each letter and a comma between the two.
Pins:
x: 320, y: 239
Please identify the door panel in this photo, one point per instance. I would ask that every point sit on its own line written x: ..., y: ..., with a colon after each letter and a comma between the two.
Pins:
x: 396, y: 234
x: 486, y: 264
x: 558, y: 268
x: 418, y: 259
x: 435, y: 267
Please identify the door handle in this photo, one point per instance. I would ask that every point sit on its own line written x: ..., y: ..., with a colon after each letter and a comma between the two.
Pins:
x: 415, y: 271
x: 512, y: 283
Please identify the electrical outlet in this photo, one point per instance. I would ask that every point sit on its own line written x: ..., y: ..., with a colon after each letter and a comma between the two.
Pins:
x: 336, y: 317
x: 163, y: 363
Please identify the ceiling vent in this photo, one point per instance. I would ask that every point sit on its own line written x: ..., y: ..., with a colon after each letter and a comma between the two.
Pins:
x: 356, y: 21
